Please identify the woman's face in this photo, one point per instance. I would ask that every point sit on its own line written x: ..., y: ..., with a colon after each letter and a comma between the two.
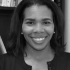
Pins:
x: 38, y: 26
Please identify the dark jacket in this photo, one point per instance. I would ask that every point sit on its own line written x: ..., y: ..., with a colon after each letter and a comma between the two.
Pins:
x: 61, y: 61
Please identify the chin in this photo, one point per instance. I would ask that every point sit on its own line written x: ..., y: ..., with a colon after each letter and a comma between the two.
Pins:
x: 39, y: 48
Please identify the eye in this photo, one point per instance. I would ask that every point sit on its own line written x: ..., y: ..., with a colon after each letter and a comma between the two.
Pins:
x: 30, y: 23
x: 47, y: 22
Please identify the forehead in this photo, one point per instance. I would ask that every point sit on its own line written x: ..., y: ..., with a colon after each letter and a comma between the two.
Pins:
x: 38, y: 12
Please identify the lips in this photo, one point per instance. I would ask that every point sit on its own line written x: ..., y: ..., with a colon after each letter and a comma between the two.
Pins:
x: 38, y: 40
x: 38, y: 37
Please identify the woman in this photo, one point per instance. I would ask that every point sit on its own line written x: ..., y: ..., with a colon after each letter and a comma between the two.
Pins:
x: 35, y: 38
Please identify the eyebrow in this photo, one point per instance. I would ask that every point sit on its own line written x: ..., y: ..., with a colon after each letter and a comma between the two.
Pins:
x: 44, y: 19
x: 30, y: 19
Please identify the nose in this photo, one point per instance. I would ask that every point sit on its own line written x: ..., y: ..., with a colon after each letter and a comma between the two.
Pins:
x: 38, y: 28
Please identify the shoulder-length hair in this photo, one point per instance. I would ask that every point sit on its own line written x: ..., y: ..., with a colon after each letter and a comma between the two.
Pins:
x: 16, y: 41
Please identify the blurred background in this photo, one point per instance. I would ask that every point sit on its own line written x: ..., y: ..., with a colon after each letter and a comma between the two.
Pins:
x: 6, y: 10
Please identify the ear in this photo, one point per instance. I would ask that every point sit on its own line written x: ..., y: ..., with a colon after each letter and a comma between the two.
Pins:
x: 54, y: 32
x: 21, y: 32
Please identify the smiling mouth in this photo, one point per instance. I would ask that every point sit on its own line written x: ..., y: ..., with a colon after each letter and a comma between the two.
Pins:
x: 38, y: 40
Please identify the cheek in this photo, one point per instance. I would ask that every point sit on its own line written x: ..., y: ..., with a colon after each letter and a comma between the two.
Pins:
x: 50, y: 29
x: 26, y: 29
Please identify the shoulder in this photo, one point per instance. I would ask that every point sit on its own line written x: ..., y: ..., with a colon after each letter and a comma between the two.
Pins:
x: 10, y: 61
x: 61, y: 61
x: 6, y: 58
x: 6, y: 55
x: 63, y: 56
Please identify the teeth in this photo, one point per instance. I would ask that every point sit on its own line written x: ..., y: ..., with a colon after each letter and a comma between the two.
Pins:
x: 38, y: 39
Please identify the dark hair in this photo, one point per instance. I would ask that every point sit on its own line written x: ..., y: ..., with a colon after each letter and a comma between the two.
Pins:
x: 16, y: 41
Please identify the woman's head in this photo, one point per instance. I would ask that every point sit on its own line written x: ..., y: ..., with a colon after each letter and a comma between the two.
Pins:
x: 38, y: 27
x: 25, y: 14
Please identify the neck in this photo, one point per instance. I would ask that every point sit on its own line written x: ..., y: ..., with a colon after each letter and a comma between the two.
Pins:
x: 45, y: 54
